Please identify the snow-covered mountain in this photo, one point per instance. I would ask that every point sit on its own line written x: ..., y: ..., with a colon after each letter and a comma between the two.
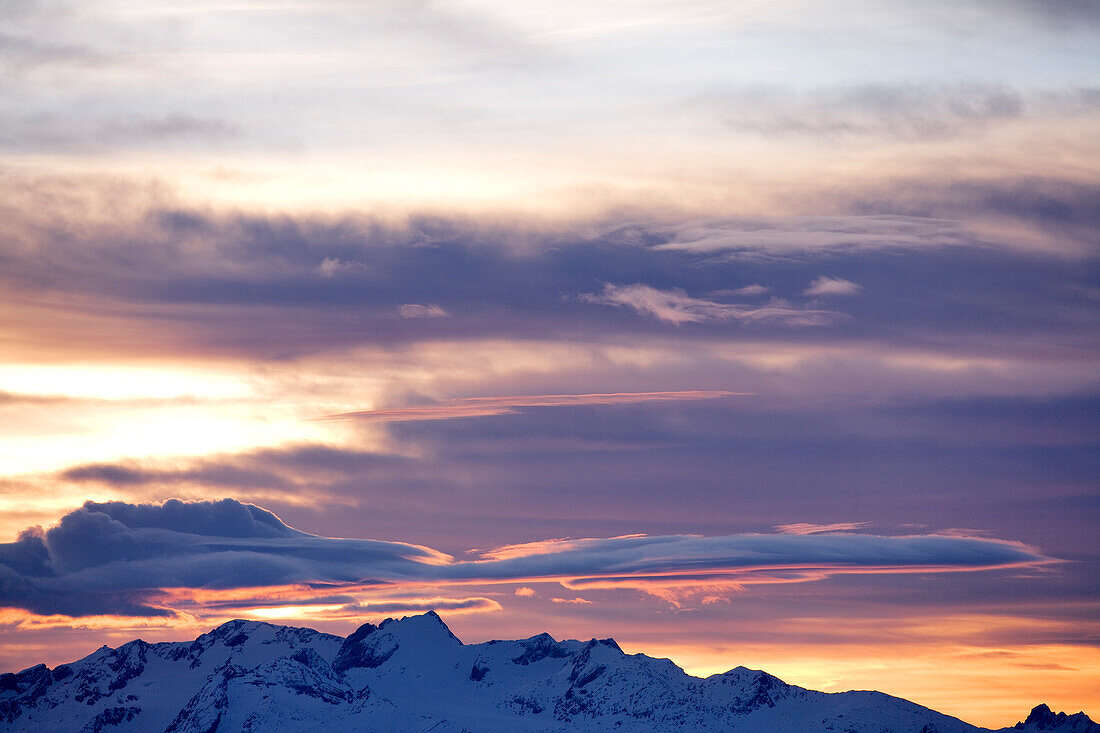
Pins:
x: 413, y: 674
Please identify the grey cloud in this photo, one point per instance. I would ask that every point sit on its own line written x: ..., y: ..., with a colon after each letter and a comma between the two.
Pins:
x: 902, y: 111
x: 20, y: 53
x: 62, y: 131
x: 247, y: 474
x: 1055, y: 14
x: 119, y: 558
x: 173, y: 125
x: 417, y: 310
x: 785, y: 236
x: 1047, y: 202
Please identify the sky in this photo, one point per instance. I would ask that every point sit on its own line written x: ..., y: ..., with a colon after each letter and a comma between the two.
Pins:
x: 746, y: 333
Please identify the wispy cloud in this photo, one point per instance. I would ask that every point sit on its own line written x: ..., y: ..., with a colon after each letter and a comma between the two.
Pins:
x: 832, y: 286
x: 747, y: 291
x: 809, y: 528
x: 485, y: 406
x: 677, y: 307
x: 416, y: 310
x: 903, y: 111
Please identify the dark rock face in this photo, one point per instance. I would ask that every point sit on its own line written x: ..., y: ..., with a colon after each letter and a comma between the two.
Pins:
x: 364, y: 649
x: 29, y: 686
x: 538, y: 648
x: 478, y: 671
x: 128, y: 662
x: 203, y: 712
x: 110, y: 717
x: 765, y: 691
x: 304, y: 673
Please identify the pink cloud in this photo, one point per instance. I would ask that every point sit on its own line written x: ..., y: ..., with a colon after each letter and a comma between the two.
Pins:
x: 809, y: 528
x: 484, y: 406
x: 676, y: 306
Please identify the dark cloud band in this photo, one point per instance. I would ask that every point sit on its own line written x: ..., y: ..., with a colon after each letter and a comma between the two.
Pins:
x: 119, y: 558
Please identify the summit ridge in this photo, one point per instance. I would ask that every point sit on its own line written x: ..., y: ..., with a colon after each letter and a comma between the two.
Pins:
x: 413, y: 674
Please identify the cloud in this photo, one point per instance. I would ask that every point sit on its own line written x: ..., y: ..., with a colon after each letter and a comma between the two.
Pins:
x: 133, y: 560
x: 485, y: 406
x: 420, y: 605
x: 525, y: 591
x: 114, y: 557
x: 572, y: 601
x: 675, y: 306
x: 748, y: 290
x: 1044, y: 214
x: 907, y: 112
x: 241, y: 473
x: 901, y: 111
x: 809, y: 528
x: 782, y: 236
x: 163, y: 280
x: 64, y: 132
x: 415, y: 310
x: 333, y: 266
x: 1058, y: 15
x: 832, y: 286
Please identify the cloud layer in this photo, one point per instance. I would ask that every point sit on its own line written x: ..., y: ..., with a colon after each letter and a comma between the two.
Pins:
x: 126, y: 559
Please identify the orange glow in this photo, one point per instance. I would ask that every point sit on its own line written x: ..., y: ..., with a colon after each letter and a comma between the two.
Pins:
x: 991, y: 686
x: 28, y: 621
x: 289, y: 612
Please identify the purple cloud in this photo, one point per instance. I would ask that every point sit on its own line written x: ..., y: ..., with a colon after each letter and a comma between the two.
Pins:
x: 123, y: 558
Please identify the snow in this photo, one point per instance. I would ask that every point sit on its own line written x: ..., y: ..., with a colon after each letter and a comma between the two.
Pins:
x: 413, y: 674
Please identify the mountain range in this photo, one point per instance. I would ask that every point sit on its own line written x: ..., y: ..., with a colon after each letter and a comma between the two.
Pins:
x: 413, y: 675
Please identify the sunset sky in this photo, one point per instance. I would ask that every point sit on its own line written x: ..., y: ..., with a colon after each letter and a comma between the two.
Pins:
x: 746, y: 333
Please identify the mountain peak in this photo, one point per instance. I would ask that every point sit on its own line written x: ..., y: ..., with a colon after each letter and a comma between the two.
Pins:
x: 371, y: 646
x: 412, y: 673
x: 1043, y: 718
x: 427, y: 624
x: 235, y: 632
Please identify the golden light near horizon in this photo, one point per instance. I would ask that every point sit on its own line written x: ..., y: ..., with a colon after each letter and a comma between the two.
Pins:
x: 289, y: 612
x: 975, y: 690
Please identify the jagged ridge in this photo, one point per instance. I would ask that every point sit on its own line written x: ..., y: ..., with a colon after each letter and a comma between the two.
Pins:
x: 413, y: 674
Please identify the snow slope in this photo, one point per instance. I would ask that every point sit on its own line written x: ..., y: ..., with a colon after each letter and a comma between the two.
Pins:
x: 414, y: 675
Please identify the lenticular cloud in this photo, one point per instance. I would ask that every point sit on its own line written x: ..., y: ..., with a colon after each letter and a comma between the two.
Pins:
x: 120, y: 558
